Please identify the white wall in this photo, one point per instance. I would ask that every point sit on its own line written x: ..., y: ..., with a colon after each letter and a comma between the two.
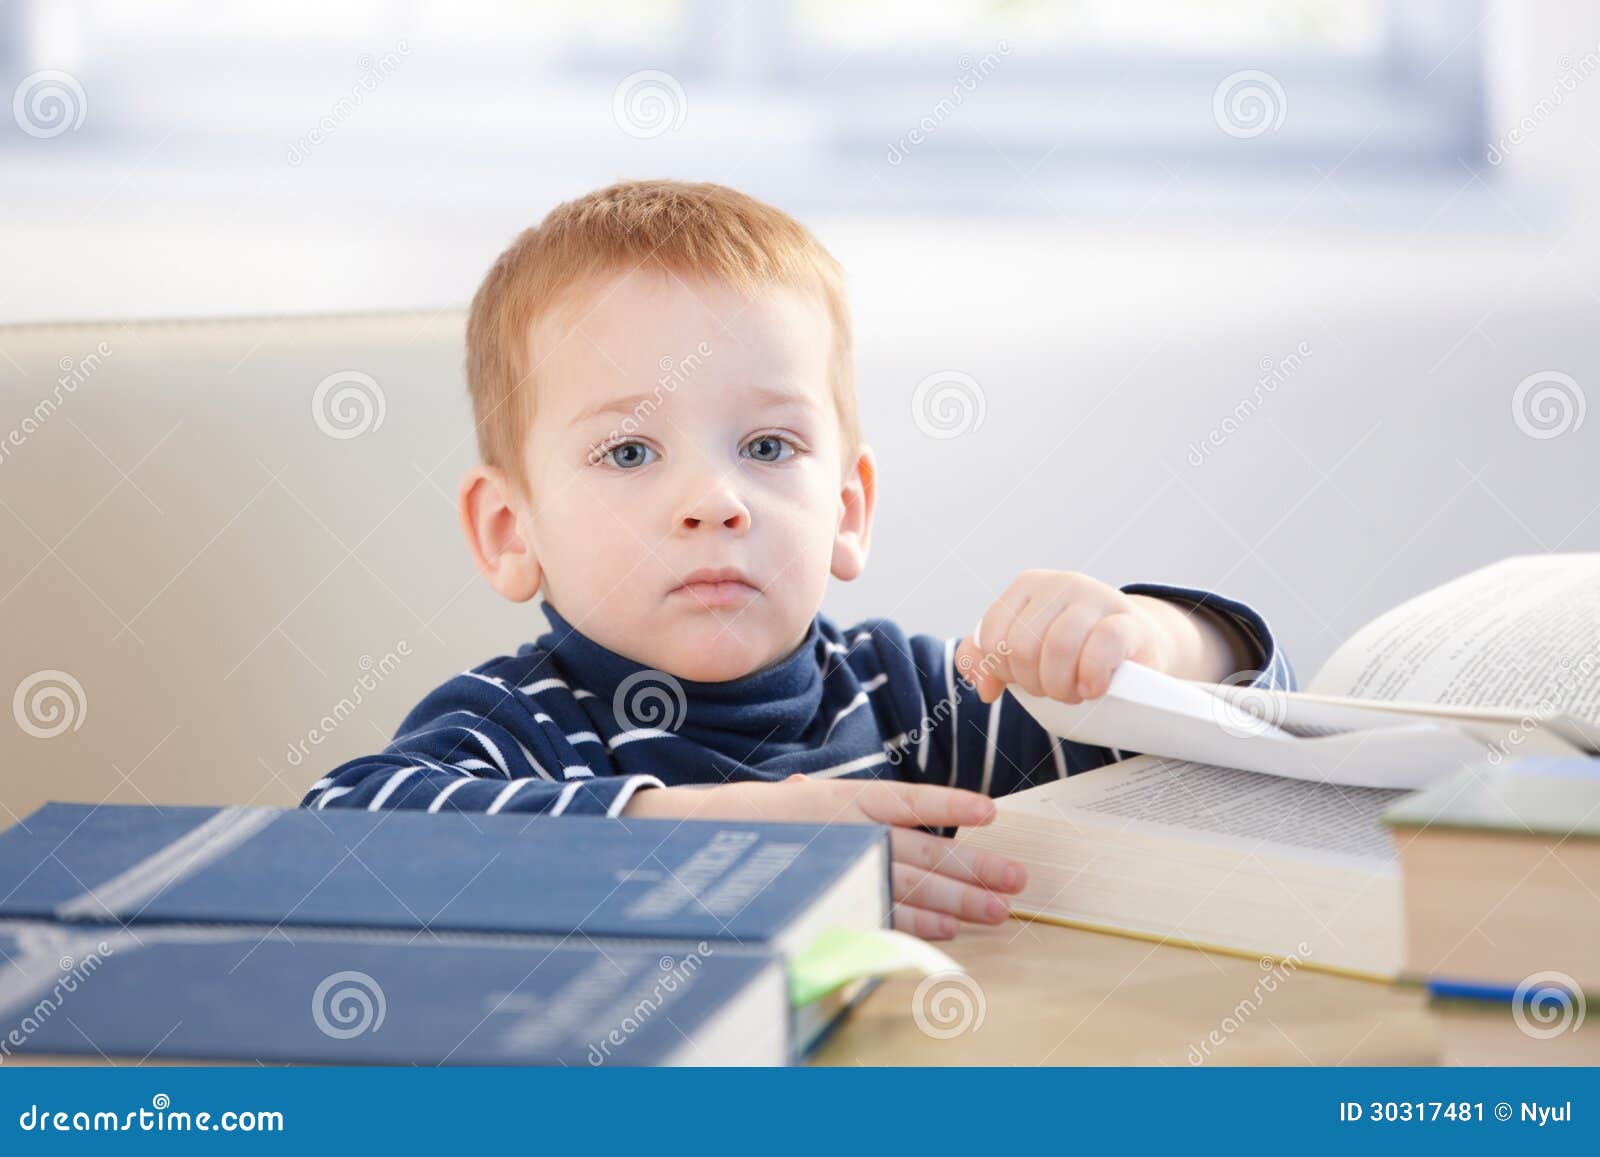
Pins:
x: 1104, y: 348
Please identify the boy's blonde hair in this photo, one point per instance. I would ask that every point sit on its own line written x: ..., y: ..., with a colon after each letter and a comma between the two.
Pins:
x: 672, y: 226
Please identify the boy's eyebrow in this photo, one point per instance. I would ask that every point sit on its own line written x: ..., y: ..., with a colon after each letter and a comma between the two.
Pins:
x: 767, y: 395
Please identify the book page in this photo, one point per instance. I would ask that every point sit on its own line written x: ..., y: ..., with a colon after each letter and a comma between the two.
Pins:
x: 1232, y: 806
x: 1522, y: 634
x: 1258, y: 730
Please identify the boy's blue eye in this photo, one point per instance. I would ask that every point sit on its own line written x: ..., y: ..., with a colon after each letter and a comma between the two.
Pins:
x: 769, y: 443
x: 631, y: 455
x: 627, y: 455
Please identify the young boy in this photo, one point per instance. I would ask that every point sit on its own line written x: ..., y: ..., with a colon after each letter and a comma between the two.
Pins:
x: 661, y: 378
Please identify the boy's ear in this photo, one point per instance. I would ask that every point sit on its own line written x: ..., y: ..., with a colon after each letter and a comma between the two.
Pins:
x: 859, y: 499
x: 492, y: 521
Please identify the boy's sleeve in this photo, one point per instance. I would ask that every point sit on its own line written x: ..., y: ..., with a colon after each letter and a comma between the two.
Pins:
x: 998, y: 748
x: 474, y: 744
x: 1269, y: 668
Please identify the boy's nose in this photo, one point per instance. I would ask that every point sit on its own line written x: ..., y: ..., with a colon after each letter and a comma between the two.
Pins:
x: 716, y: 506
x: 732, y: 522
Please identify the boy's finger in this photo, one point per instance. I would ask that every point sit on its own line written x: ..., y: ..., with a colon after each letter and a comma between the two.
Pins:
x: 921, y: 922
x: 969, y: 659
x: 924, y: 804
x: 938, y: 893
x: 984, y: 669
x: 971, y: 865
x: 993, y: 638
x: 1063, y: 651
x: 1114, y: 638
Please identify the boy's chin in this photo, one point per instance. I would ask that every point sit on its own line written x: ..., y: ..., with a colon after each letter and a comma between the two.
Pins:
x: 712, y: 652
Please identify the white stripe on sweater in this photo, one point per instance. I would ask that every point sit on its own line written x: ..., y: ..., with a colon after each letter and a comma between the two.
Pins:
x: 852, y: 765
x: 843, y: 648
x: 636, y: 733
x: 438, y: 800
x: 634, y: 784
x: 565, y: 797
x: 506, y: 793
x: 494, y: 752
x: 332, y: 793
x: 989, y: 744
x: 861, y: 697
x: 534, y: 763
x: 955, y: 704
x: 390, y: 784
x: 924, y: 725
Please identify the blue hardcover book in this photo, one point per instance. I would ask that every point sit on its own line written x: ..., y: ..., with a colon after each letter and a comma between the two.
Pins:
x: 767, y: 885
x: 215, y: 993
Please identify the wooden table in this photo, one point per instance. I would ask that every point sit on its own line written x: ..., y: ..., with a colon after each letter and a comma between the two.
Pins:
x: 1052, y: 995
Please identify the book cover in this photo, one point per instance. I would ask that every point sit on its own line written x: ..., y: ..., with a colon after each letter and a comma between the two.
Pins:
x: 594, y: 876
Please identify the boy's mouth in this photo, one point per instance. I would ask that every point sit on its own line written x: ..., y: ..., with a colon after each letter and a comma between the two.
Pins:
x: 717, y: 587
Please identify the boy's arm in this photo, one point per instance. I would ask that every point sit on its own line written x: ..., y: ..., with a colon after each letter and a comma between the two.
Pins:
x: 466, y: 747
x: 997, y: 748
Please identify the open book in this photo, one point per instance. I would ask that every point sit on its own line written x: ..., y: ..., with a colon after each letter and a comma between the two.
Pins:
x: 1255, y: 823
x: 1501, y: 663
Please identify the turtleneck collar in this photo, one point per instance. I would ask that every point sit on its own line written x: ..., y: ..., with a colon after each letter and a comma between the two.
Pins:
x: 774, y: 704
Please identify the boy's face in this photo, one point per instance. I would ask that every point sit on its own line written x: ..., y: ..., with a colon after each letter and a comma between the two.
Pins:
x: 722, y: 450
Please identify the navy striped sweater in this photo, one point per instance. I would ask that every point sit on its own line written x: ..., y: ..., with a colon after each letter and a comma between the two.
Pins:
x: 567, y: 726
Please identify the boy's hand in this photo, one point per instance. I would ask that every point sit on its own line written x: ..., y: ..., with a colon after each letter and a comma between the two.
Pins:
x: 936, y: 880
x: 1061, y: 634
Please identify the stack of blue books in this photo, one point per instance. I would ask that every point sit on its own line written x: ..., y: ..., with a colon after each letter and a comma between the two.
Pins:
x: 287, y: 935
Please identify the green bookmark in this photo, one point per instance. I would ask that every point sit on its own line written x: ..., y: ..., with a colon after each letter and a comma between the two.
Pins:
x: 839, y: 955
